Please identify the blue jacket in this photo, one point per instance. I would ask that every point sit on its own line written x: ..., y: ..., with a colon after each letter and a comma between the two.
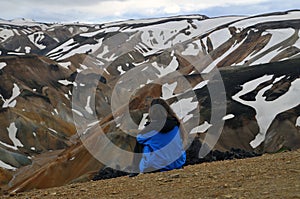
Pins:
x: 162, y: 151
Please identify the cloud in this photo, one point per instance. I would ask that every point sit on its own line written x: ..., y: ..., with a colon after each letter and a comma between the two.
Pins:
x: 110, y: 10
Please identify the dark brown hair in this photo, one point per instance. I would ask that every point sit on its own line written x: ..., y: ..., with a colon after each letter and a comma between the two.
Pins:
x: 163, y: 110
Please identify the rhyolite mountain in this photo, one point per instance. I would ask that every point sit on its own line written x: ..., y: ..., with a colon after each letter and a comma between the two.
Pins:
x: 57, y: 78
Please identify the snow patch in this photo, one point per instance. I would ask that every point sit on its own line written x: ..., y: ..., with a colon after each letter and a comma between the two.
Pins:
x: 168, y: 90
x: 11, y: 102
x: 77, y: 112
x: 2, y: 65
x: 219, y: 37
x: 201, y: 129
x: 192, y: 49
x: 54, y: 131
x: 228, y: 117
x: 170, y: 68
x: 27, y: 49
x: 216, y: 61
x: 12, y: 134
x: 183, y: 107
x: 6, y: 166
x: 120, y: 69
x: 265, y: 111
x: 201, y: 85
x: 5, y: 34
x: 87, y: 107
x: 143, y: 121
x: 36, y: 39
x: 67, y: 82
x: 65, y: 64
x: 298, y: 122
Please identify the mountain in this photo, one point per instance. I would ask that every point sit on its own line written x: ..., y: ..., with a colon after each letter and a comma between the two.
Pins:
x: 74, y: 94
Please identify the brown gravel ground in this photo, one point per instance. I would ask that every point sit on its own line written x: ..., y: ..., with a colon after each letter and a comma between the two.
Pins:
x: 268, y: 176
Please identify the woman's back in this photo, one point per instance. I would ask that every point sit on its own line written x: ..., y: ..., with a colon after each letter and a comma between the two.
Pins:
x: 162, y: 150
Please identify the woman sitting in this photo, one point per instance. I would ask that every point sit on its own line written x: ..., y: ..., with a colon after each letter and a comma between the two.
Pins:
x: 160, y: 142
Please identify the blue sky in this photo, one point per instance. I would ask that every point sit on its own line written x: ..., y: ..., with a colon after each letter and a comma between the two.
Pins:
x: 99, y: 11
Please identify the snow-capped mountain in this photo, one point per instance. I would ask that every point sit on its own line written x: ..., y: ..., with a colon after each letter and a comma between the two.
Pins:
x: 235, y: 78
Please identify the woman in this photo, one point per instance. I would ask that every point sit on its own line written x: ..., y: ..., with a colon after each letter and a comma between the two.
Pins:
x: 160, y: 142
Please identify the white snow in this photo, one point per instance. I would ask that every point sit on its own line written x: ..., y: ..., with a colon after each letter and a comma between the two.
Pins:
x: 168, y: 90
x: 32, y: 148
x: 36, y: 39
x: 55, y: 53
x: 168, y: 34
x: 166, y: 70
x: 265, y: 111
x: 120, y: 69
x: 263, y: 19
x: 201, y: 85
x: 219, y: 37
x: 278, y: 36
x: 80, y: 49
x: 216, y: 61
x: 201, y: 129
x: 72, y: 158
x: 278, y: 79
x: 5, y: 34
x: 15, y: 53
x: 27, y: 49
x: 228, y: 117
x: 71, y: 29
x: 6, y: 166
x: 65, y: 65
x: 67, y: 96
x: 8, y: 146
x: 84, y: 29
x: 183, y: 107
x: 34, y: 134
x: 67, y: 82
x: 18, y: 49
x: 87, y: 106
x: 298, y: 122
x: 192, y: 49
x: 2, y: 65
x: 54, y: 131
x: 77, y: 112
x: 143, y: 121
x: 297, y: 43
x: 11, y: 102
x: 12, y: 134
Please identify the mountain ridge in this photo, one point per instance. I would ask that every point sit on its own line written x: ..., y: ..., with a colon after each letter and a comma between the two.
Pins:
x: 47, y: 73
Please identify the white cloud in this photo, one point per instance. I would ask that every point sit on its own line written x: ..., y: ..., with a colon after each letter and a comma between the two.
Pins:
x: 99, y: 10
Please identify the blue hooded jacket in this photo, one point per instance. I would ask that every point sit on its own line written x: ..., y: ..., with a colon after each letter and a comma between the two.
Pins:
x: 162, y: 151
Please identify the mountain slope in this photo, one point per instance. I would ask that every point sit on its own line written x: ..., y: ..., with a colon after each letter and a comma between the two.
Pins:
x: 63, y: 85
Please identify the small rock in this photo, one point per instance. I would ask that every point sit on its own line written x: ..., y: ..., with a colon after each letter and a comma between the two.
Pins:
x: 176, y: 175
x: 228, y: 196
x: 12, y: 194
x: 114, y: 192
x: 53, y: 194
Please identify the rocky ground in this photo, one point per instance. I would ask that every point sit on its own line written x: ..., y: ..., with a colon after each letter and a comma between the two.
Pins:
x: 267, y: 176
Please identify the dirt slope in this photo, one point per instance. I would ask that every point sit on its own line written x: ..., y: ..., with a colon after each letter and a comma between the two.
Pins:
x: 267, y: 176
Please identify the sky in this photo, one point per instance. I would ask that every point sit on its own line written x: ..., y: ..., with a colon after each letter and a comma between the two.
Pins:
x: 101, y: 11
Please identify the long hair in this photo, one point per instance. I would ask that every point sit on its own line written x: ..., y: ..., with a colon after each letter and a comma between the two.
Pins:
x: 160, y: 109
